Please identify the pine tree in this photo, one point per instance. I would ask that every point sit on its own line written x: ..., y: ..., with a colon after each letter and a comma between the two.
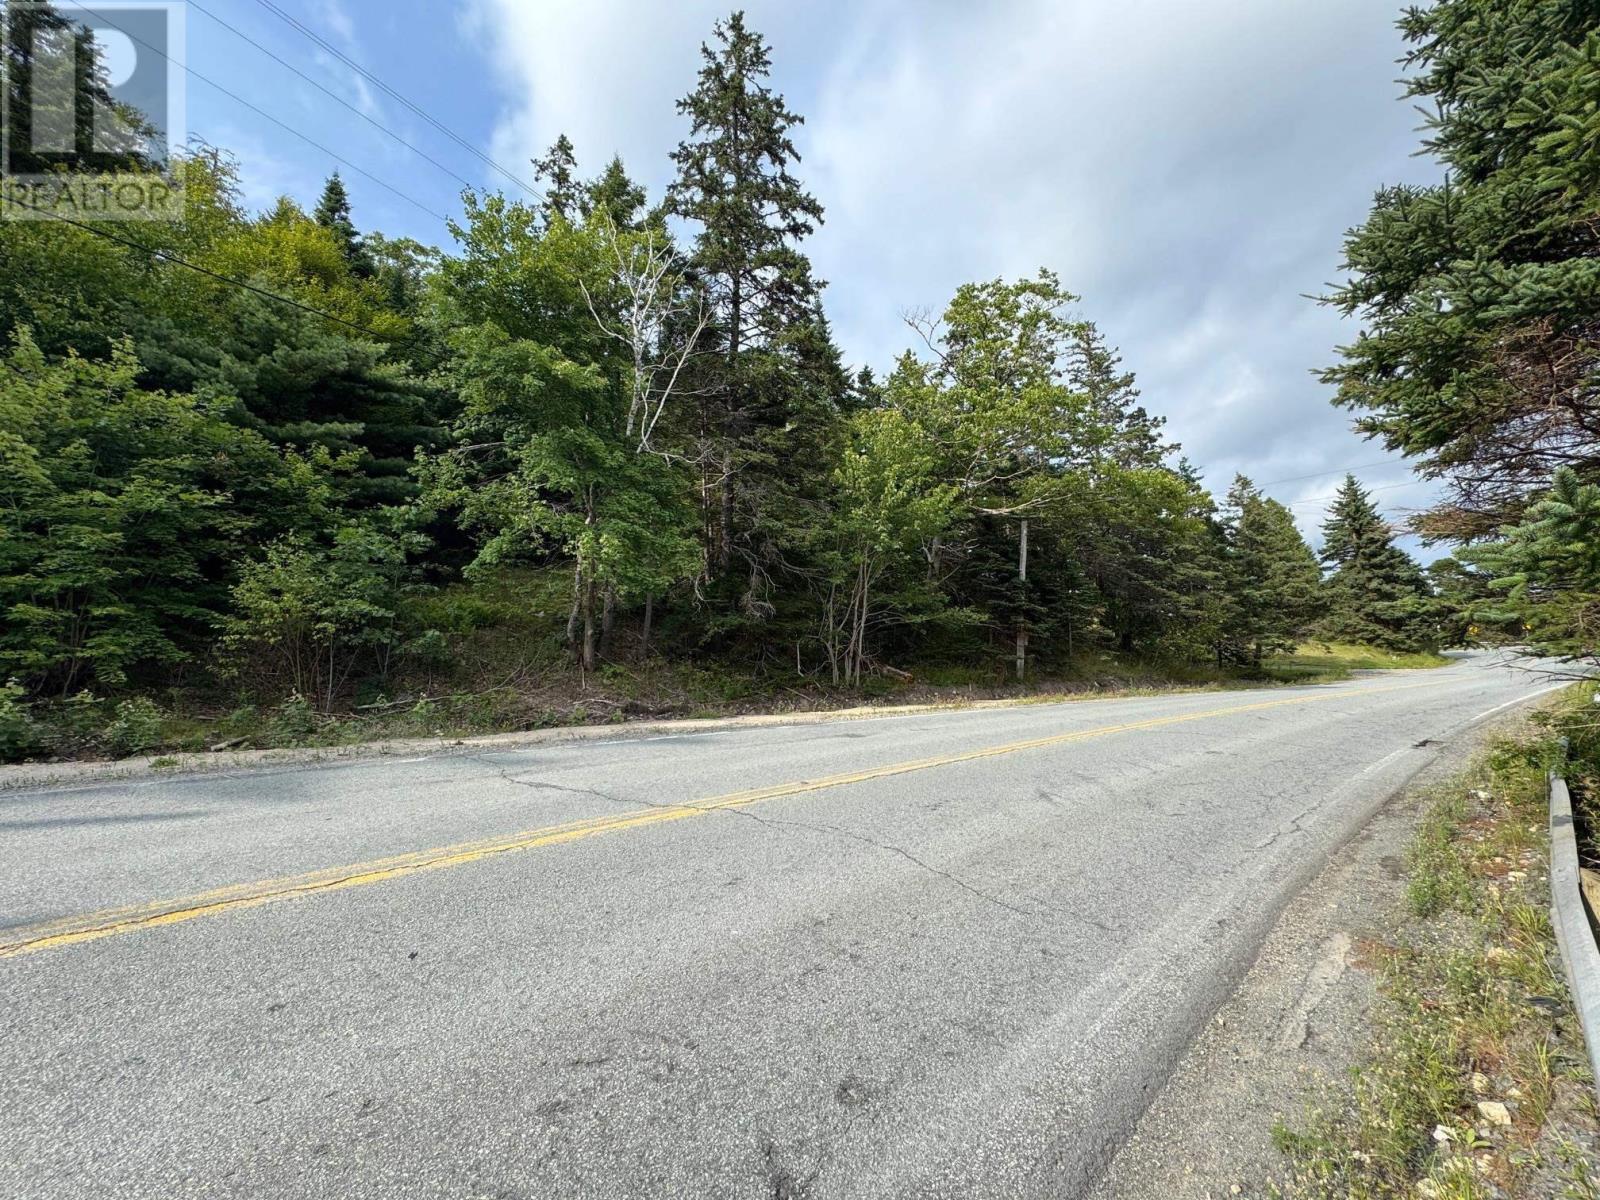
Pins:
x: 1479, y: 348
x: 333, y: 214
x: 616, y: 195
x: 1273, y: 577
x: 1377, y: 593
x: 1548, y: 567
x: 735, y: 184
x: 1113, y: 426
x: 558, y: 171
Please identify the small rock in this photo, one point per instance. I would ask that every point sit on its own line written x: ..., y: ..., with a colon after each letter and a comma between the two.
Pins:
x: 1443, y: 1135
x: 1480, y: 1082
x: 1494, y: 1112
x: 1427, y: 1188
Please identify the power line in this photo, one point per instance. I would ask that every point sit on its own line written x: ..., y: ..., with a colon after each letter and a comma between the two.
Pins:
x: 330, y: 93
x: 313, y: 36
x: 178, y: 260
x: 281, y: 124
x: 1388, y: 487
x: 1335, y: 471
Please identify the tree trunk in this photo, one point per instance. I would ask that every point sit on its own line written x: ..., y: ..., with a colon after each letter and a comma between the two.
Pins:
x: 577, y: 601
x: 725, y: 517
x: 588, y: 627
x: 608, y: 620
x: 649, y: 616
x: 1022, y: 593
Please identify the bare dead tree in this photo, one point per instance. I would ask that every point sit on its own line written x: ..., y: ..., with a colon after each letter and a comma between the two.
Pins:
x: 657, y: 318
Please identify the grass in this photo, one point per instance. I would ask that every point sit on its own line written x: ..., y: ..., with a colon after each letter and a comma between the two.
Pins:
x: 1472, y: 1015
x: 1330, y: 661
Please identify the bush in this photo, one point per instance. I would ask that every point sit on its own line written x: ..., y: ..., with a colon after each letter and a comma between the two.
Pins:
x: 136, y: 729
x: 19, y: 736
x: 293, y: 721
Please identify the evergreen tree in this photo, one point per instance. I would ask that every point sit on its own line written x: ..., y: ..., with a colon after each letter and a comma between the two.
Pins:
x: 617, y: 196
x: 333, y: 214
x: 1479, y: 353
x: 1548, y: 568
x: 735, y: 184
x: 1377, y: 593
x: 1112, y: 425
x: 1273, y: 577
x: 558, y: 171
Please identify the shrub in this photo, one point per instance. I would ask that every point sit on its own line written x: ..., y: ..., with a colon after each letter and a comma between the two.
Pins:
x: 293, y: 721
x: 19, y: 736
x: 136, y: 729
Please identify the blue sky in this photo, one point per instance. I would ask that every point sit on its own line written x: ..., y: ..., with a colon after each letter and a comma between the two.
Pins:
x: 1188, y: 169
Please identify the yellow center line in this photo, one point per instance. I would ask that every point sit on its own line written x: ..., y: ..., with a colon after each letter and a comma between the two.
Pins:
x: 88, y: 927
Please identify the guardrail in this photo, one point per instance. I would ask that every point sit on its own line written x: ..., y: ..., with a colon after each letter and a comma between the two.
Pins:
x: 1574, y: 934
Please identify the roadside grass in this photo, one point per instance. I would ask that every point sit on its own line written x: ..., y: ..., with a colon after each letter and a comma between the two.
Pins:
x: 1477, y: 1085
x: 1331, y: 661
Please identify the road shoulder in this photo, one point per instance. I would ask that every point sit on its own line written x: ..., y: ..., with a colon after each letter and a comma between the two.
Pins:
x: 1299, y: 1020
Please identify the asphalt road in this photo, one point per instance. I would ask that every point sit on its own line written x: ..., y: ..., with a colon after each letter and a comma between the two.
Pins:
x: 942, y: 954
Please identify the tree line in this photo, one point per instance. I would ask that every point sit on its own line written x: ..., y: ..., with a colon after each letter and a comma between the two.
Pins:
x: 237, y: 453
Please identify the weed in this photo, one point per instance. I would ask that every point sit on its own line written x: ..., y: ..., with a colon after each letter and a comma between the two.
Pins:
x: 1454, y: 1027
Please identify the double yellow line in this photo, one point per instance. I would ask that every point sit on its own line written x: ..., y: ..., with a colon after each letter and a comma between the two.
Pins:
x: 88, y: 927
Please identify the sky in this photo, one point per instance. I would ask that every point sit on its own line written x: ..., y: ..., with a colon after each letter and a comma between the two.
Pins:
x: 1188, y: 170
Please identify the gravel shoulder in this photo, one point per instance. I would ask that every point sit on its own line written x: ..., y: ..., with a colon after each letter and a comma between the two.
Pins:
x: 1298, y: 1022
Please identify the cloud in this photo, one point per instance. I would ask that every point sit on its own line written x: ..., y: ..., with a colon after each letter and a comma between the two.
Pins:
x: 1189, y: 169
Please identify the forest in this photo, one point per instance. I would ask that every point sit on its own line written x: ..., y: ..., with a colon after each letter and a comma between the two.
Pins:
x: 600, y: 456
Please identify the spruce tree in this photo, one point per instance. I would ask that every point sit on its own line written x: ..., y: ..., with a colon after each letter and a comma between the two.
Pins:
x: 1113, y: 427
x: 616, y: 195
x: 558, y: 172
x: 1377, y: 593
x: 735, y: 184
x: 1273, y: 577
x: 1478, y: 353
x: 333, y: 214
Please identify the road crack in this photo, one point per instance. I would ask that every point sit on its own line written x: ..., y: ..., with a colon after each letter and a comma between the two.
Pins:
x: 888, y: 848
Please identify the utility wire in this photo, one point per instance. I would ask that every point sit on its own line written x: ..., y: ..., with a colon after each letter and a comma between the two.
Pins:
x: 1321, y: 474
x: 1388, y: 487
x: 330, y: 93
x: 264, y: 113
x: 414, y: 107
x: 179, y: 261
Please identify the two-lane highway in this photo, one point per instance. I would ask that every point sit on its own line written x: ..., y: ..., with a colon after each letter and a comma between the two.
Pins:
x: 947, y: 953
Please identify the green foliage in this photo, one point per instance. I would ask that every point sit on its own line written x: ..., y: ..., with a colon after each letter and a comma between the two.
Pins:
x: 308, y: 614
x: 1377, y: 593
x: 1274, y: 580
x: 1479, y: 294
x: 1548, y: 567
x: 571, y: 435
x: 292, y: 723
x: 888, y: 504
x: 135, y: 729
x: 333, y: 214
x: 19, y: 735
x: 115, y: 521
